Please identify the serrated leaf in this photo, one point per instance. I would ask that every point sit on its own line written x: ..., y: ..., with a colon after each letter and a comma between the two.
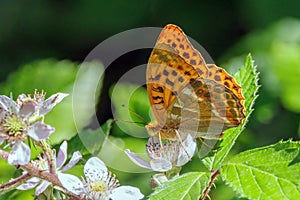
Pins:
x: 186, y: 187
x: 270, y: 172
x: 247, y: 76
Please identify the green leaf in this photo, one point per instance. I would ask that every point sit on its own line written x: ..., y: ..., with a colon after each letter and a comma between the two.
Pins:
x: 186, y: 187
x: 247, y: 76
x: 88, y: 142
x: 270, y: 172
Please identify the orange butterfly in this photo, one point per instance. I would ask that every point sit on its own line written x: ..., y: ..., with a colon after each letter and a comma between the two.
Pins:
x: 187, y: 95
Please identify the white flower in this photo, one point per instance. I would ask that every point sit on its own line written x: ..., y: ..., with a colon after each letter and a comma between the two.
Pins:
x: 99, y: 183
x: 41, y: 185
x: 164, y: 158
x: 23, y: 118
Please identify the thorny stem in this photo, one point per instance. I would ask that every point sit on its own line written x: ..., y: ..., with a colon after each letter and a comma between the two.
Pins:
x: 12, y: 184
x: 48, y: 155
x: 212, y: 180
x: 34, y: 172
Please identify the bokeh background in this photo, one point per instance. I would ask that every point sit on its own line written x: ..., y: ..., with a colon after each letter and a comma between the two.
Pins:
x: 43, y: 42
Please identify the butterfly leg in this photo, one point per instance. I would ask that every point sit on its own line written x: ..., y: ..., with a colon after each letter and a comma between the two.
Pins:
x: 181, y: 142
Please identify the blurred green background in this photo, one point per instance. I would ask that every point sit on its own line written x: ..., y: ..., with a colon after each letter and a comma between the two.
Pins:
x: 43, y: 42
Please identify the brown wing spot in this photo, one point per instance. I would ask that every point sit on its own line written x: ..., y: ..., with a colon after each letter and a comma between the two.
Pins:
x: 228, y: 78
x: 200, y: 62
x: 178, y: 39
x: 199, y: 71
x: 209, y: 74
x: 194, y: 54
x: 157, y: 77
x: 217, y: 78
x: 219, y: 71
x: 193, y: 62
x: 196, y: 84
x: 235, y: 88
x: 233, y: 112
x: 181, y: 46
x: 163, y: 58
x: 165, y: 72
x: 180, y: 79
x: 169, y: 40
x: 230, y: 103
x: 227, y: 96
x: 174, y: 93
x: 169, y: 82
x: 210, y: 66
x: 186, y: 55
x: 207, y: 95
x: 174, y: 45
x: 174, y: 73
x: 187, y: 73
x: 158, y: 89
x: 226, y: 84
x: 179, y: 67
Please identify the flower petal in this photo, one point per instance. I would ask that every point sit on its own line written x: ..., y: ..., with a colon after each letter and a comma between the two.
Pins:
x: 42, y: 187
x: 61, y: 155
x: 152, y: 146
x: 39, y: 131
x: 7, y: 105
x: 71, y: 183
x: 49, y: 103
x: 94, y: 168
x: 187, y: 151
x: 126, y: 192
x: 27, y: 108
x: 160, y: 165
x: 20, y: 154
x: 3, y: 137
x: 29, y: 184
x: 73, y: 161
x: 137, y: 160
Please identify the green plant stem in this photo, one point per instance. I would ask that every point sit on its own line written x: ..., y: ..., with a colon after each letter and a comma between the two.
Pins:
x: 34, y: 172
x: 212, y: 180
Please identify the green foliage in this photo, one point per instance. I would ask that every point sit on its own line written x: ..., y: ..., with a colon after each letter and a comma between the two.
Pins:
x: 247, y: 76
x: 270, y: 172
x: 276, y: 50
x: 186, y: 187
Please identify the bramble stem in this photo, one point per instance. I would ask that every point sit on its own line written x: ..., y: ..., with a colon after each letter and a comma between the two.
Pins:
x: 12, y: 184
x: 48, y: 155
x: 212, y: 180
x: 32, y: 171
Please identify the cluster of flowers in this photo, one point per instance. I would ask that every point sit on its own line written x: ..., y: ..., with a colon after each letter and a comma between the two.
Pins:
x: 22, y: 122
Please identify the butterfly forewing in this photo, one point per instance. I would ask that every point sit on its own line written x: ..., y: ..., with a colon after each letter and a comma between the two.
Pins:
x: 188, y: 96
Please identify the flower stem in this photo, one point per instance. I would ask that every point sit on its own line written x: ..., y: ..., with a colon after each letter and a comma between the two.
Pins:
x: 34, y: 172
x: 212, y: 180
x: 48, y: 155
x: 12, y: 184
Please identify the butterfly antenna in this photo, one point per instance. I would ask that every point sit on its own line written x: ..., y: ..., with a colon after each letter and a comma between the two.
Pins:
x: 136, y: 114
x: 125, y: 121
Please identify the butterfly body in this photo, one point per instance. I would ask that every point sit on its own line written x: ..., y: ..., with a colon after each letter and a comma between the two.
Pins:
x: 187, y: 95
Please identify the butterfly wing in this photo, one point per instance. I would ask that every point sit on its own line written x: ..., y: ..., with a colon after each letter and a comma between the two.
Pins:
x: 169, y: 69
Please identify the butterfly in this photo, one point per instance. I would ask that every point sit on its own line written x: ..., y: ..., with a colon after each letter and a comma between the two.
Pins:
x: 188, y: 96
